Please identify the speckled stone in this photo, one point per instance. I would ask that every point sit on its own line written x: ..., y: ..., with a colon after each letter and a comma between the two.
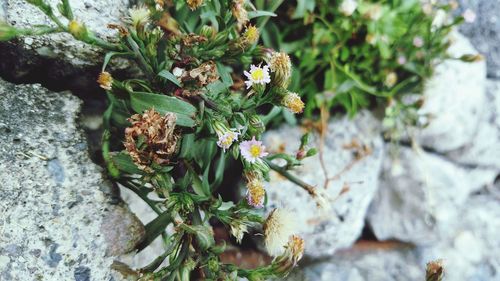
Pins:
x: 353, y: 181
x: 51, y: 204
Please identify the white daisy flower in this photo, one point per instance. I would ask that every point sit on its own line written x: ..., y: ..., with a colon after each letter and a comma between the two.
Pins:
x: 226, y: 136
x: 257, y: 75
x: 252, y: 150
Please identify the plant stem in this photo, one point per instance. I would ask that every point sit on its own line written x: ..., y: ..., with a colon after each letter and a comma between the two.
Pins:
x: 282, y: 171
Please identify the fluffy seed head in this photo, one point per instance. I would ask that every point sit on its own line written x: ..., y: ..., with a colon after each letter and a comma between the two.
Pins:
x: 139, y: 15
x: 279, y: 226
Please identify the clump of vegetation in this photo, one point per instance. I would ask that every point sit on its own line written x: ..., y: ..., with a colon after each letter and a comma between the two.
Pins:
x: 195, y: 106
x: 353, y: 54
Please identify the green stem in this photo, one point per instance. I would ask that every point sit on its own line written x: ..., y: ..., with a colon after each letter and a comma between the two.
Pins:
x: 282, y: 171
x: 143, y: 195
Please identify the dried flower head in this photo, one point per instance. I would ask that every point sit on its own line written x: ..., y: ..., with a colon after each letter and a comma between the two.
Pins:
x: 434, y: 271
x: 294, y: 250
x: 205, y: 74
x: 239, y: 13
x: 252, y: 150
x: 279, y: 226
x: 105, y: 80
x: 194, y: 4
x: 238, y: 229
x: 151, y: 138
x: 257, y: 76
x: 122, y: 30
x: 281, y: 67
x: 293, y: 102
x: 256, y: 192
x: 139, y: 15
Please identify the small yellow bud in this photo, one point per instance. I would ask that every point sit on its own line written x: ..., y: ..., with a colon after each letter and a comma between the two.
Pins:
x: 78, y: 30
x: 293, y: 102
x: 251, y: 34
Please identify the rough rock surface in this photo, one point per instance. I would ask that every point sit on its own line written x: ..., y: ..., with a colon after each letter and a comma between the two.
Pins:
x: 484, y: 150
x: 53, y: 200
x: 454, y: 98
x: 420, y: 196
x: 472, y: 252
x: 484, y: 32
x: 364, y: 265
x: 57, y: 58
x: 352, y: 154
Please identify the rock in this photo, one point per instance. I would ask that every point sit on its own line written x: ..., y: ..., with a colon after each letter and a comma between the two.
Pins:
x: 484, y: 150
x: 58, y: 59
x: 472, y: 252
x: 358, y: 264
x: 51, y: 202
x: 122, y: 230
x: 352, y: 155
x: 484, y: 32
x: 454, y: 99
x: 420, y: 196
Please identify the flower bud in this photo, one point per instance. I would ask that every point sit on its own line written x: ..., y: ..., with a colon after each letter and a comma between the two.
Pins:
x: 391, y: 79
x: 78, y: 30
x: 207, y: 31
x: 281, y: 67
x: 471, y: 58
x: 434, y: 271
x: 293, y: 102
x: 256, y: 127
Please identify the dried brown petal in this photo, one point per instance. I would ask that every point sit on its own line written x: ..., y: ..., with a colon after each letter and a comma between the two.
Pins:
x: 151, y: 138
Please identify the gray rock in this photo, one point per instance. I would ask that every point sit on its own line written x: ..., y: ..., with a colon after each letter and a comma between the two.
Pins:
x: 352, y: 155
x: 364, y: 265
x: 484, y: 32
x: 454, y: 99
x: 57, y: 57
x: 122, y: 230
x: 472, y: 251
x: 51, y: 202
x: 420, y: 196
x: 484, y: 150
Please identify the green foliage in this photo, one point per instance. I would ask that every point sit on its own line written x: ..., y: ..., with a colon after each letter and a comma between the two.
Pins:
x: 171, y: 128
x: 354, y: 54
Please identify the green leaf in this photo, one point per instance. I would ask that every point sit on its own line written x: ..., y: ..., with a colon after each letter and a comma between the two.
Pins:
x: 124, y: 163
x: 185, y: 112
x: 225, y: 74
x: 170, y: 77
x: 155, y: 228
x: 256, y: 14
x: 65, y: 9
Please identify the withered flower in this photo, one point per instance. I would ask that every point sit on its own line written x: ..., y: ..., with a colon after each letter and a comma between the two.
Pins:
x: 194, y: 4
x: 205, y: 74
x: 193, y: 39
x: 151, y: 138
x: 434, y: 271
x: 240, y: 13
x: 294, y: 250
x: 281, y: 67
x: 105, y: 80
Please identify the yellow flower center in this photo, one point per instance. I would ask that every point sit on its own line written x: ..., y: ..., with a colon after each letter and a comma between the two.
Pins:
x: 257, y: 74
x: 255, y: 151
x: 256, y: 192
